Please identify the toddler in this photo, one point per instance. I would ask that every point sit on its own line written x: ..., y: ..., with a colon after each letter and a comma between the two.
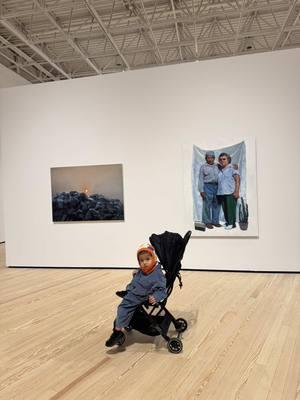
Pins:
x: 148, y: 283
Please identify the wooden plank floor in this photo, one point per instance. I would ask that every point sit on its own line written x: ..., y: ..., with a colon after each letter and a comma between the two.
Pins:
x: 243, y: 341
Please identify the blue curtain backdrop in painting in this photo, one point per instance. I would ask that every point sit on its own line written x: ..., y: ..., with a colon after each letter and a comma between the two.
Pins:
x: 238, y: 156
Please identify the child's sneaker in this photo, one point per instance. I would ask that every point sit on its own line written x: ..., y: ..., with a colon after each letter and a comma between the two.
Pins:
x: 116, y: 338
x: 121, y: 293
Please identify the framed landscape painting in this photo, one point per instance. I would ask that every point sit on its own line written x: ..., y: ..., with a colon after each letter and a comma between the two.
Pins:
x: 87, y: 193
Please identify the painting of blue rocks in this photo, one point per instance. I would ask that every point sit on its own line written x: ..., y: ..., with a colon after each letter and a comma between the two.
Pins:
x: 87, y: 193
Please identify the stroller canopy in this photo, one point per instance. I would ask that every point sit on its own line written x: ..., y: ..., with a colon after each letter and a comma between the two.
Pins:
x: 170, y: 249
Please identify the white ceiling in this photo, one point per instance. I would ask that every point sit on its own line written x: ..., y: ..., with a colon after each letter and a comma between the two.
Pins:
x: 45, y: 40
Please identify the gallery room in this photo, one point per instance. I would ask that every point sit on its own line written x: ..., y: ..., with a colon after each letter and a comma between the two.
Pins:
x: 149, y: 190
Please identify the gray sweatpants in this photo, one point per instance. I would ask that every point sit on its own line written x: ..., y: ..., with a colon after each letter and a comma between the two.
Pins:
x: 127, y: 308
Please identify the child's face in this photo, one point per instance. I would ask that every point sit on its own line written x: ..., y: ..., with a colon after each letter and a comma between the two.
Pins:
x: 145, y: 260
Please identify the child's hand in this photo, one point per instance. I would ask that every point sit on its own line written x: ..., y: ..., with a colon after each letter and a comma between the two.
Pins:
x: 151, y: 299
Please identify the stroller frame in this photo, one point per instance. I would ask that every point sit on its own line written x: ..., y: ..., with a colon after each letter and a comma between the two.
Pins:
x: 157, y: 321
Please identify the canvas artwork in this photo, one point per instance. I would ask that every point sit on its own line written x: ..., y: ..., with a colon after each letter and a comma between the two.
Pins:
x: 220, y: 190
x: 87, y: 193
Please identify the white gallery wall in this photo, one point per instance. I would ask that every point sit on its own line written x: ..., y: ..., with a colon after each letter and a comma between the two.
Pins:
x: 142, y: 119
x: 8, y: 78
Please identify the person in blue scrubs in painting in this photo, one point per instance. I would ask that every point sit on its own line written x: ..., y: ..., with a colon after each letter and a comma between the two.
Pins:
x: 208, y: 188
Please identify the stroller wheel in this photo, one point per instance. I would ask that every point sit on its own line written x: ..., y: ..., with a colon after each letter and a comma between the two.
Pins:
x: 181, y: 324
x: 175, y: 345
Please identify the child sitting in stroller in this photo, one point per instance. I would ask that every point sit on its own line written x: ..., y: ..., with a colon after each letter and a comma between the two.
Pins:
x: 148, y: 284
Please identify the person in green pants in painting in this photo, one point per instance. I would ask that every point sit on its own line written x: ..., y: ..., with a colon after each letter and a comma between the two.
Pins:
x: 228, y: 189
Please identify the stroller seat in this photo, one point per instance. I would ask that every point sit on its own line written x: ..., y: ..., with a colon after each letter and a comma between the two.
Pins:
x: 155, y: 320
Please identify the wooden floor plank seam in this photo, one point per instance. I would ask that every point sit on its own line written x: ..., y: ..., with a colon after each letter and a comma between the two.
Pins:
x: 78, y: 380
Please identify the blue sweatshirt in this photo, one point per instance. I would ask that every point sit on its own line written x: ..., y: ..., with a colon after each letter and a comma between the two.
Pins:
x: 154, y: 284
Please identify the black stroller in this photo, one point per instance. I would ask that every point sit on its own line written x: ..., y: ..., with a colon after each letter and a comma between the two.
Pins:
x: 155, y: 320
